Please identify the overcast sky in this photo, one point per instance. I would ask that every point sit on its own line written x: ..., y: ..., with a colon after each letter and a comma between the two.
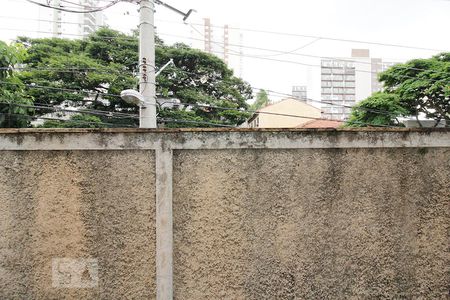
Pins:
x: 421, y: 23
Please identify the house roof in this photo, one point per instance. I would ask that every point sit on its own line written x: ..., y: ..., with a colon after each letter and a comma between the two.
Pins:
x: 321, y: 123
x: 284, y: 100
x: 255, y: 114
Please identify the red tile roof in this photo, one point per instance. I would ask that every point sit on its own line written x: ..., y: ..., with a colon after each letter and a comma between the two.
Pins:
x: 322, y: 123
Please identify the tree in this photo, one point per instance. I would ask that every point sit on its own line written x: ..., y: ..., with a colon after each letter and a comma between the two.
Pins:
x: 419, y: 86
x: 14, y: 103
x: 99, y: 67
x: 76, y: 121
x: 378, y: 109
x: 262, y: 100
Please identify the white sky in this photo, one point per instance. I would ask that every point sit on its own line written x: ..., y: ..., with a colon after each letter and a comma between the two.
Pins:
x: 421, y: 23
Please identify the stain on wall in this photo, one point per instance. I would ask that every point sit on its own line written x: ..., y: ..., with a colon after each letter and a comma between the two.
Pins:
x: 312, y: 224
x: 77, y: 204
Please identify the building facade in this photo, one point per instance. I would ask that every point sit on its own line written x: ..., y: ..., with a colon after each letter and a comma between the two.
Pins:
x: 300, y: 92
x: 225, y: 42
x: 287, y: 113
x: 73, y: 25
x: 346, y: 81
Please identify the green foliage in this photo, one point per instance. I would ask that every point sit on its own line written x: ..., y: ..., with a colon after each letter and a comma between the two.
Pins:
x: 378, y: 109
x: 106, y: 62
x: 13, y: 100
x: 262, y: 100
x: 423, y: 85
x: 76, y: 121
x: 417, y: 86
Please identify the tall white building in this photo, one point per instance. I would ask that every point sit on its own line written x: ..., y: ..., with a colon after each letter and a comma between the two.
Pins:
x: 63, y: 24
x: 226, y: 43
x: 346, y: 81
x: 300, y: 92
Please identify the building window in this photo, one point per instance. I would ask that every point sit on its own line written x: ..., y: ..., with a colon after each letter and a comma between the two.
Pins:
x: 350, y: 77
x: 349, y: 91
x: 350, y: 84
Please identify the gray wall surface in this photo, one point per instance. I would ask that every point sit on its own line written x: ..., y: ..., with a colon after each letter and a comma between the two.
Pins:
x: 227, y: 214
x: 77, y: 204
x: 311, y: 223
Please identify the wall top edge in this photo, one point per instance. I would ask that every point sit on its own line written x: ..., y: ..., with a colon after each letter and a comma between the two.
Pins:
x: 218, y: 130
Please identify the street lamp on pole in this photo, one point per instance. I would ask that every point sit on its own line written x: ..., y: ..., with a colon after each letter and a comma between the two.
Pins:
x: 147, y: 68
x: 147, y: 77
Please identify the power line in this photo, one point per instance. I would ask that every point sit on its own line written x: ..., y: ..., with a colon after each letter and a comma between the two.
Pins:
x: 193, y: 122
x: 277, y: 52
x: 76, y: 11
x: 186, y: 121
x: 70, y: 70
x: 292, y: 52
x: 309, y: 99
x: 63, y: 120
x: 113, y: 95
x: 280, y: 93
x: 44, y: 21
x: 295, y: 62
x: 266, y: 113
x: 326, y: 38
x: 35, y: 86
x: 111, y: 3
x: 81, y: 111
x: 265, y: 57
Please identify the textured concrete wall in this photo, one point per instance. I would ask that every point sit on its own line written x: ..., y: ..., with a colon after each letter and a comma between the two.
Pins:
x: 312, y: 224
x: 77, y: 204
x: 267, y: 214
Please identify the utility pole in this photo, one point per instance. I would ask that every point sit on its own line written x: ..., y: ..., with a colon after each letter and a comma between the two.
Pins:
x: 147, y: 78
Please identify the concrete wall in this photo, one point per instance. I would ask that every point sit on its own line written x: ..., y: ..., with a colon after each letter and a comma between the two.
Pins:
x: 77, y: 204
x: 227, y: 214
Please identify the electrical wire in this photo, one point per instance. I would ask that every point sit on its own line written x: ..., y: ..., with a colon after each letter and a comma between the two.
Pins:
x: 81, y: 111
x: 298, y: 62
x: 292, y: 52
x: 262, y: 57
x: 35, y: 86
x: 327, y: 38
x: 160, y: 120
x: 113, y: 2
x: 63, y: 120
x: 97, y: 9
x: 164, y: 120
x: 189, y: 121
x: 44, y: 21
x: 205, y: 106
x: 308, y: 99
x: 70, y: 70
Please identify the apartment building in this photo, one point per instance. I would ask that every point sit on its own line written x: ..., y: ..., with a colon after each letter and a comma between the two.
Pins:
x: 300, y: 92
x: 73, y: 25
x: 225, y: 42
x: 346, y: 81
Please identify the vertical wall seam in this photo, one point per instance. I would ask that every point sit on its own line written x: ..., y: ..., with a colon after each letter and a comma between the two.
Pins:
x: 164, y: 224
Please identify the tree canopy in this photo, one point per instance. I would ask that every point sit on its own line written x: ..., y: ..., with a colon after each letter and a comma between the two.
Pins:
x: 262, y: 100
x: 91, y: 73
x: 415, y: 87
x: 377, y: 110
x: 14, y: 102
